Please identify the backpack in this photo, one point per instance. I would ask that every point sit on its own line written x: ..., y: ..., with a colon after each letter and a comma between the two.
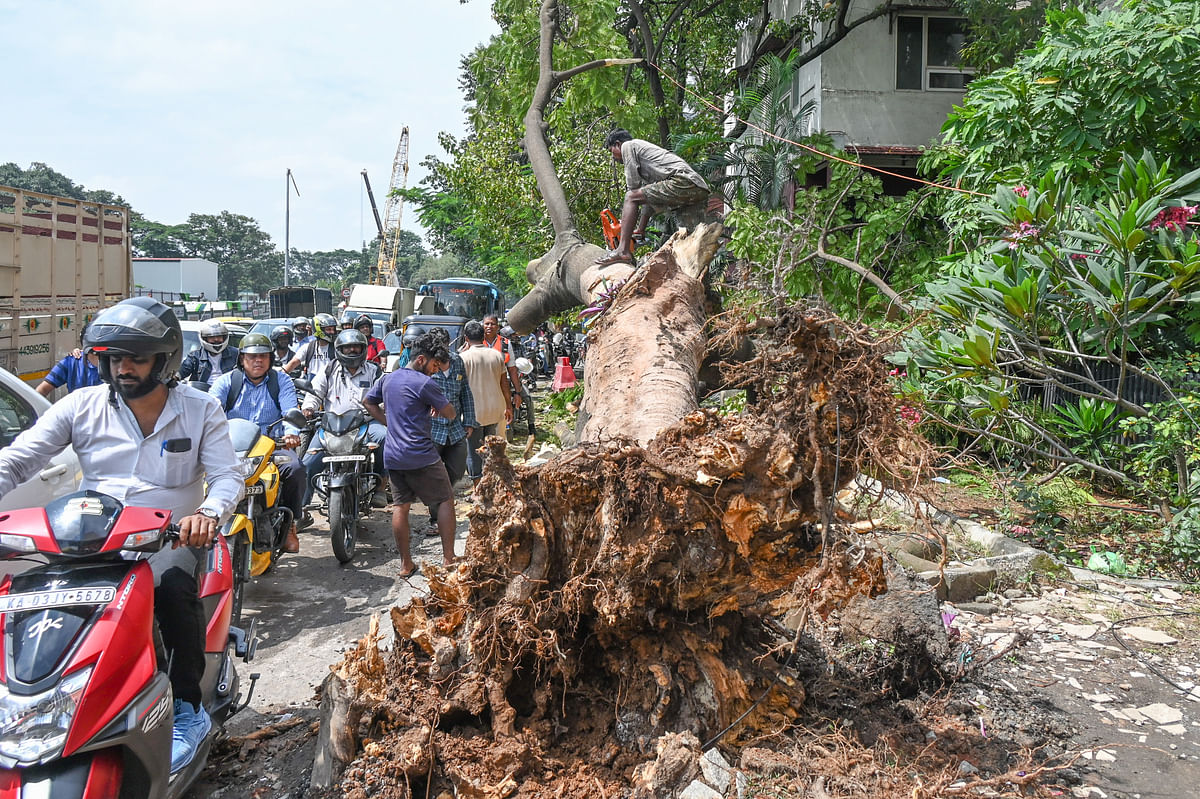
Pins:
x: 238, y: 379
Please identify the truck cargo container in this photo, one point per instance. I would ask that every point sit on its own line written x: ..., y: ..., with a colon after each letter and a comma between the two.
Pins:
x: 295, y: 301
x: 61, y: 262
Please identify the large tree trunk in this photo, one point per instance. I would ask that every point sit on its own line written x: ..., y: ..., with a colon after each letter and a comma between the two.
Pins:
x: 641, y: 584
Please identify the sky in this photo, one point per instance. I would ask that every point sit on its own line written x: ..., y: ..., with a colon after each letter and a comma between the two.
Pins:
x: 202, y: 107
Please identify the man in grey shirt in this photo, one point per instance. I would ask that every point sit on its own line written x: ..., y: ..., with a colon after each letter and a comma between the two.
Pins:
x: 658, y: 181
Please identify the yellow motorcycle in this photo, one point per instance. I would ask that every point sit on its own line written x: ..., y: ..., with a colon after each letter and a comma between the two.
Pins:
x: 259, y: 525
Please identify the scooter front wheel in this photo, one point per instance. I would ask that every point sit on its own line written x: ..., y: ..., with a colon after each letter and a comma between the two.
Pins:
x: 343, y: 527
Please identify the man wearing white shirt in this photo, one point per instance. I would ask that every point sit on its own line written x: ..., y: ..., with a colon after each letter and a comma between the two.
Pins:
x: 148, y: 442
x: 340, y: 387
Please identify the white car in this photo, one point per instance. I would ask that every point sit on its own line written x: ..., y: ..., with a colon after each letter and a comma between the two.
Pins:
x: 20, y: 407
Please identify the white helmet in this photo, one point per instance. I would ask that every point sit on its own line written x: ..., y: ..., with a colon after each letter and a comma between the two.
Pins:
x: 211, y: 328
x: 524, y: 365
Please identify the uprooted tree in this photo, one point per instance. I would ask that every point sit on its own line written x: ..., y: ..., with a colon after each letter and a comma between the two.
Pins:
x: 648, y: 581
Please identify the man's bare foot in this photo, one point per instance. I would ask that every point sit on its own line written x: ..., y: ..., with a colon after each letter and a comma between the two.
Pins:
x: 409, y: 569
x: 615, y: 257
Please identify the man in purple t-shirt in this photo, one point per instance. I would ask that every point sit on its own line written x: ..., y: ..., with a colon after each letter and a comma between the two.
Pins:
x: 406, y: 401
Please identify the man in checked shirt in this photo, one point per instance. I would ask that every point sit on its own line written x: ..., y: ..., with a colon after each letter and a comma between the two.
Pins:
x: 450, y: 435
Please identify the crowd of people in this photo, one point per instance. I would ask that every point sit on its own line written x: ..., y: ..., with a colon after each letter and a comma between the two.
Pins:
x: 149, y: 425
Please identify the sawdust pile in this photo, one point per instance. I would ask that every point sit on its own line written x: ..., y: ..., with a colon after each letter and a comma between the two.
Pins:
x: 618, y: 593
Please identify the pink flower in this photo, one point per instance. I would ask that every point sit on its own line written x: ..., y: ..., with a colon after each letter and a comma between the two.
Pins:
x: 911, y: 416
x: 1019, y: 529
x: 1078, y: 256
x: 1025, y: 230
x: 1021, y: 191
x: 1173, y: 218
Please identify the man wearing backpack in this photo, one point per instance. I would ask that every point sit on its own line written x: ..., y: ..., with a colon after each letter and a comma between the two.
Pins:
x: 340, y: 386
x: 256, y: 392
x: 317, y: 352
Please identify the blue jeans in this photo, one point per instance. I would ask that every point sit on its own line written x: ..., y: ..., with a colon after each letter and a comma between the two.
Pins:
x: 475, y: 459
x: 314, y: 459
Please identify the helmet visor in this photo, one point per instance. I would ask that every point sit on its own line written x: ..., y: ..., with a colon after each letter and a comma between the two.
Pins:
x: 126, y: 316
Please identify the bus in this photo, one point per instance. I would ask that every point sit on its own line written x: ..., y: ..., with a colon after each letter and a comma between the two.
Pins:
x: 470, y: 297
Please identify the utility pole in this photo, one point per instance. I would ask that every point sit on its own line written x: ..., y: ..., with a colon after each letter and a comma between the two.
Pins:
x: 287, y: 221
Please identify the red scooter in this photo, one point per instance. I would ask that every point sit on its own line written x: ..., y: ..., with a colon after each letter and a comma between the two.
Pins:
x: 85, y: 712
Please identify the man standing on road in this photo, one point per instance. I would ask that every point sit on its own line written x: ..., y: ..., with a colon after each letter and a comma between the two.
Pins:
x: 262, y: 395
x: 658, y: 181
x: 150, y: 443
x: 77, y: 370
x: 450, y: 435
x: 405, y: 401
x: 489, y: 389
x: 492, y: 338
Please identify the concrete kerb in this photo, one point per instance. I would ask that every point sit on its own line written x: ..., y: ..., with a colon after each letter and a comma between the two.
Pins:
x: 1005, y: 561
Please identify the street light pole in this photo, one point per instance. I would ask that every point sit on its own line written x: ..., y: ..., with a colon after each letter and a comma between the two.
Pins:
x: 287, y: 221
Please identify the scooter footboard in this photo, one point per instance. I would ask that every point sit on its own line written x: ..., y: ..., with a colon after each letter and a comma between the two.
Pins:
x: 92, y: 775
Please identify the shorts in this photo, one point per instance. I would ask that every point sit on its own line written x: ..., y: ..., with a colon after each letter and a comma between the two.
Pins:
x: 430, y: 484
x: 679, y: 195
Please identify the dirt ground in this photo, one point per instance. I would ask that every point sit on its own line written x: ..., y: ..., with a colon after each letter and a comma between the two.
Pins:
x: 1084, y: 687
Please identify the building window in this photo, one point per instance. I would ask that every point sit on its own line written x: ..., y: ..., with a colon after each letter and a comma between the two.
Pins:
x: 927, y: 54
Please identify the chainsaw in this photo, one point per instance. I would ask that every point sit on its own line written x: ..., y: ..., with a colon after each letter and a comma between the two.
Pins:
x: 610, y: 226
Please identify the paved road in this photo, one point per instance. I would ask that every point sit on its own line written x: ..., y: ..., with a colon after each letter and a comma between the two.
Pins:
x: 310, y: 609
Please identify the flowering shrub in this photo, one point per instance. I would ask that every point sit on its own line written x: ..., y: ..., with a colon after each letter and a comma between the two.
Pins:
x: 1064, y: 290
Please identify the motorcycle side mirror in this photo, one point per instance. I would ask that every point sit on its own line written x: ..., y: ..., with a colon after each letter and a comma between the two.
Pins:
x: 199, y: 385
x: 302, y: 384
x: 295, y: 418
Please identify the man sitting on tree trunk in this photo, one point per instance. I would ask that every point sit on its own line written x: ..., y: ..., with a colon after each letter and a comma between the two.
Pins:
x: 658, y: 181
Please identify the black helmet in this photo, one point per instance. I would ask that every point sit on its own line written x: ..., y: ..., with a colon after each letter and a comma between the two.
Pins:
x: 346, y: 320
x: 361, y: 321
x: 282, y: 336
x: 349, y: 338
x: 301, y: 321
x: 325, y: 327
x: 138, y: 326
x: 507, y: 332
x: 255, y: 344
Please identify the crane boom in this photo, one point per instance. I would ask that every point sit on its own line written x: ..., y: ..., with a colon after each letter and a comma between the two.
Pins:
x: 385, y: 268
x: 374, y: 209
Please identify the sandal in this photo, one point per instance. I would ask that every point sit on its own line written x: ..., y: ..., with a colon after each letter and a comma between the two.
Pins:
x: 415, y: 571
x: 613, y: 258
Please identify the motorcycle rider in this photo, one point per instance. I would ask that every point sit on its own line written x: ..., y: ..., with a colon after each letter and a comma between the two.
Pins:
x: 346, y: 320
x: 376, y: 349
x: 255, y: 401
x: 282, y: 337
x: 314, y: 355
x: 302, y: 328
x: 214, y: 358
x: 147, y: 441
x: 340, y: 387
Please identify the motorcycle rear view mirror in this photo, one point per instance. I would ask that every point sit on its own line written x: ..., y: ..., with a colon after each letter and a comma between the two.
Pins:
x: 295, y: 418
x: 302, y: 385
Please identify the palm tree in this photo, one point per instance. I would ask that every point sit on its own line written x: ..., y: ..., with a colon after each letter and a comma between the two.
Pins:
x: 754, y: 167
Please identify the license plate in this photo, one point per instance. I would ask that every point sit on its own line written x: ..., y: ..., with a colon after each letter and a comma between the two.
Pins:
x: 36, y: 600
x: 257, y: 488
x: 344, y: 458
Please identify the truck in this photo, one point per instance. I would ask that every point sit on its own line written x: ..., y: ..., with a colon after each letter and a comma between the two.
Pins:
x: 387, y: 304
x: 62, y: 260
x: 299, y: 301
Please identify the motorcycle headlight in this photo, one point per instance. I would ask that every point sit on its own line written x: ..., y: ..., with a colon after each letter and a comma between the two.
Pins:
x: 340, y: 445
x: 249, y: 466
x: 34, y: 728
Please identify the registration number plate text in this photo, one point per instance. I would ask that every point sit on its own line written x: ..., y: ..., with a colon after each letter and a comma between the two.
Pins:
x: 344, y: 458
x: 36, y: 600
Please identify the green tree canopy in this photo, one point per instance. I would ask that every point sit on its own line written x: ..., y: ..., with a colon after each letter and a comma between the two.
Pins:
x: 1098, y: 85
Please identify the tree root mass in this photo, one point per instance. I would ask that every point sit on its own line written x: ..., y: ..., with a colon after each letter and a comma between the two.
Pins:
x: 620, y: 594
